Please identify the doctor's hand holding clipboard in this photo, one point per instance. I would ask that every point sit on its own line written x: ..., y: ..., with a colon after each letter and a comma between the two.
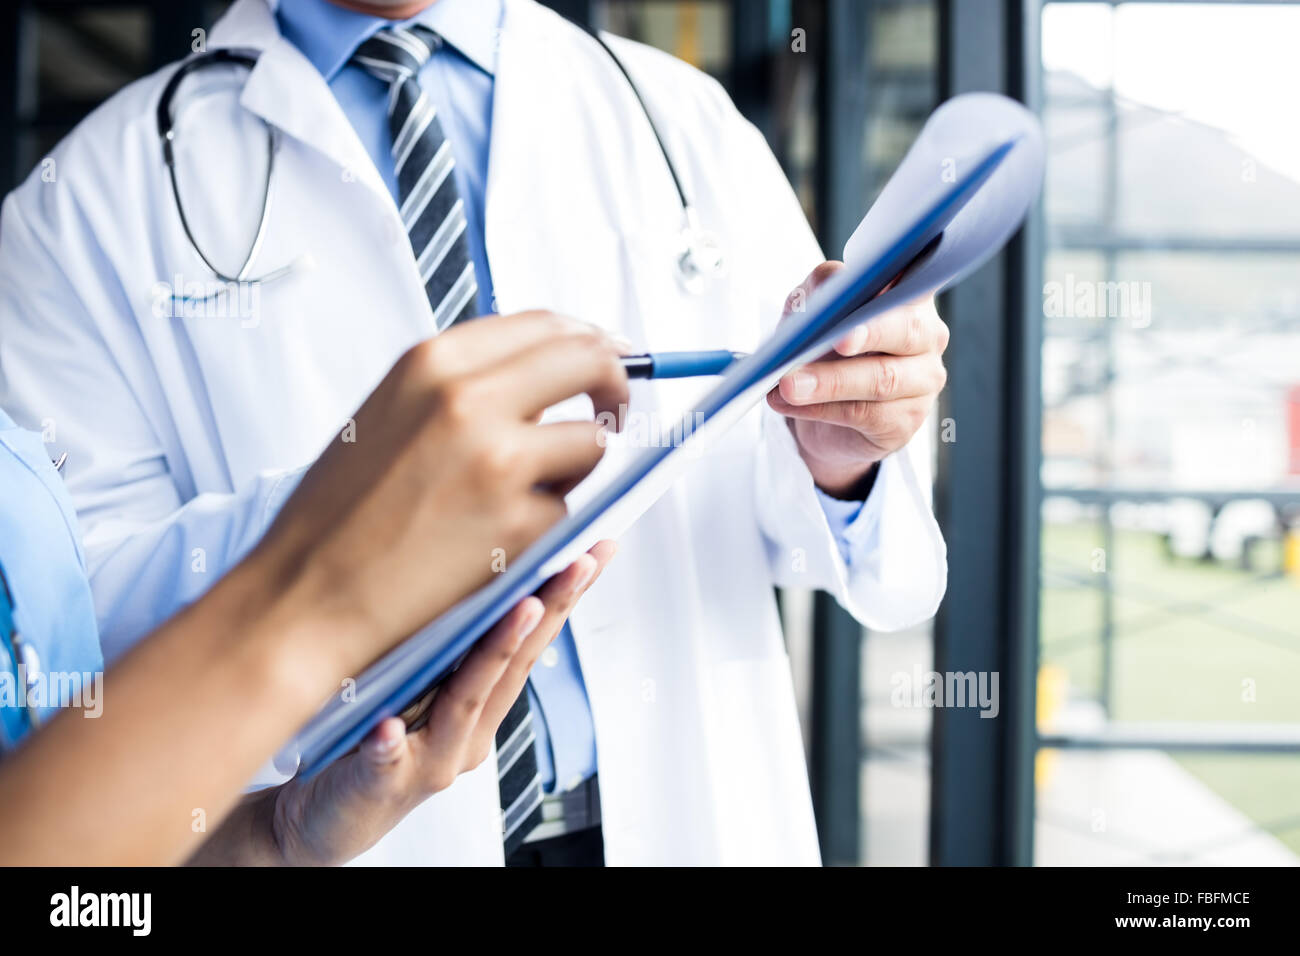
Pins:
x: 866, y: 398
x: 444, y: 466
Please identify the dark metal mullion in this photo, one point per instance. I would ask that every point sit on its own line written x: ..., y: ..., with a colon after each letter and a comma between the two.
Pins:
x: 11, y: 89
x: 1110, y: 204
x: 1169, y: 745
x: 1213, y: 497
x: 1025, y: 317
x: 834, y: 759
x: 1094, y: 240
x: 843, y: 86
x: 578, y: 11
x: 988, y: 491
x: 749, y: 77
x: 172, y: 23
x: 967, y: 754
x: 841, y: 196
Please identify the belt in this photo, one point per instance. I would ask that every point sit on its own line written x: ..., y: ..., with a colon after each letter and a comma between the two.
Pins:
x: 568, y: 812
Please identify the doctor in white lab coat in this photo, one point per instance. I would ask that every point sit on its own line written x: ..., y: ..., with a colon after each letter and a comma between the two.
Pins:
x: 186, y: 433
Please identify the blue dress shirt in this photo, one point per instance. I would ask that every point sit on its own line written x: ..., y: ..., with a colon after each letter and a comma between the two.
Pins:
x: 47, y: 600
x: 459, y: 79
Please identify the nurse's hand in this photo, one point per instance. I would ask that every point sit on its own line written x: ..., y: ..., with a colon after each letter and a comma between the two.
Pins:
x: 444, y: 475
x: 344, y: 810
x: 442, y: 479
x: 867, y: 397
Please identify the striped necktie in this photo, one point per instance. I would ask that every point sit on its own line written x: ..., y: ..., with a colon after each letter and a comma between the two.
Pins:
x: 431, y: 207
x: 434, y: 216
x: 517, y: 776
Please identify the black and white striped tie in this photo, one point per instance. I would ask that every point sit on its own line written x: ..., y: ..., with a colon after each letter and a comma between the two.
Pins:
x: 431, y: 207
x: 517, y: 776
x: 434, y: 215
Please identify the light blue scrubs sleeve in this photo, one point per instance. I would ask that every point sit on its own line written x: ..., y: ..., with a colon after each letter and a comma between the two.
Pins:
x: 52, y: 616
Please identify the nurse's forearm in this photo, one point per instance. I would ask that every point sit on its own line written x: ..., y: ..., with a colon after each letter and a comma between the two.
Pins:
x: 187, y: 719
x: 446, y: 467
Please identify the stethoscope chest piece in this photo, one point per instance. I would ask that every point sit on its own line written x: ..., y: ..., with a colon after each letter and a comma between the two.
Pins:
x: 698, y: 256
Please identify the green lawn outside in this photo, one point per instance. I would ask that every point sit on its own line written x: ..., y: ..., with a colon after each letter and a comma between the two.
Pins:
x: 1192, y: 641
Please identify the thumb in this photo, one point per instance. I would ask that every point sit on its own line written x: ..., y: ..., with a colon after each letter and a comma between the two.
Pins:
x: 384, y: 747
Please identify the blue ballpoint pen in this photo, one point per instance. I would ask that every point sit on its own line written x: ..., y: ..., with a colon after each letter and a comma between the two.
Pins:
x: 679, y: 364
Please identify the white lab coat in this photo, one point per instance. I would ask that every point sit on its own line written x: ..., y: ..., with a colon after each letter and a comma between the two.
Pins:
x: 184, y: 433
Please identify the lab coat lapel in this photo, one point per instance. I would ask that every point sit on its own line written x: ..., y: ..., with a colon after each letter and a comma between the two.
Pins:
x: 563, y: 229
x: 555, y: 221
x: 289, y: 93
x: 555, y: 226
x: 309, y: 346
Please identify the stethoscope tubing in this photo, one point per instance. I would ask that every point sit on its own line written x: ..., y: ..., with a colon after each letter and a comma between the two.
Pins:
x: 249, y: 57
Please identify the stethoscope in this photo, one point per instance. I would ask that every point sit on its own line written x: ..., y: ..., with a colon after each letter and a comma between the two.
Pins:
x: 697, y: 256
x: 167, y: 132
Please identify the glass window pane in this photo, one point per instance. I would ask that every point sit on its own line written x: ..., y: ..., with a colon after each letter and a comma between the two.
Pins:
x: 1170, y: 585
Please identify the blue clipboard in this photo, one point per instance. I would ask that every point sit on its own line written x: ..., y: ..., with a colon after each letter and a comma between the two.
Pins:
x: 957, y: 197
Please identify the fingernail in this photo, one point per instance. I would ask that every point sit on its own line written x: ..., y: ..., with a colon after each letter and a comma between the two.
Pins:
x: 584, y: 578
x: 624, y: 345
x: 802, y: 384
x: 528, y: 623
x: 387, y: 745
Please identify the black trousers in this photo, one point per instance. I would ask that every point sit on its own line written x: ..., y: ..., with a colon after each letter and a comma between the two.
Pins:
x: 583, y: 848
